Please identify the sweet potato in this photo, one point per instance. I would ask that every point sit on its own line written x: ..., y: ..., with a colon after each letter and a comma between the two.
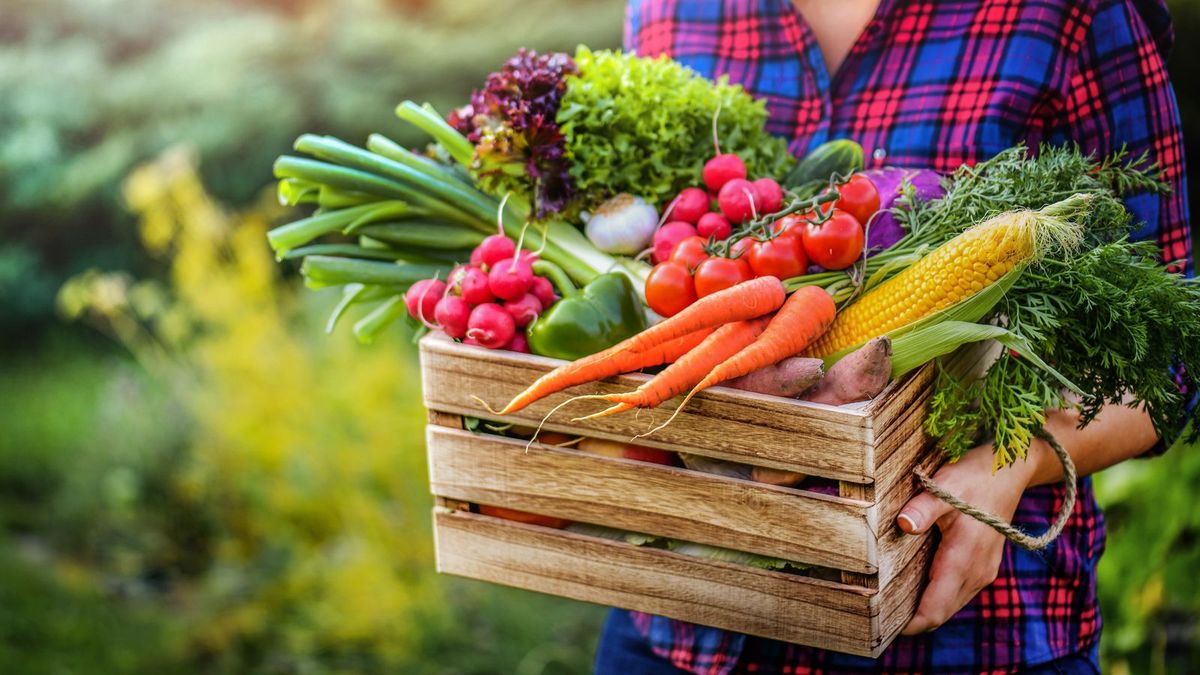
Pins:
x: 858, y: 376
x: 788, y: 378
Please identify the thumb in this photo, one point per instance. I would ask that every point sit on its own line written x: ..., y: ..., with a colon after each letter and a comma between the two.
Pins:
x: 921, y: 512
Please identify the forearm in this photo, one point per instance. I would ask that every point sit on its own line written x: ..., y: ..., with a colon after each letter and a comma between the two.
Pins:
x: 1115, y: 435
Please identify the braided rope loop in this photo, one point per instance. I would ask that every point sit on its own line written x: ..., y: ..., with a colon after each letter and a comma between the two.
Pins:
x: 1017, y: 536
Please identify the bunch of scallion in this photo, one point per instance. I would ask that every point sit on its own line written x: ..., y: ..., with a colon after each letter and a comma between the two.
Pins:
x: 408, y: 216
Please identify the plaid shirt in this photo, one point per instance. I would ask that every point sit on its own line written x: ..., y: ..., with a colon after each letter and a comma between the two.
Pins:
x: 936, y: 84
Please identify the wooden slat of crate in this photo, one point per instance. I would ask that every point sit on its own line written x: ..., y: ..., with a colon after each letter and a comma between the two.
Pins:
x: 652, y: 499
x: 828, y: 441
x: 766, y: 603
x: 899, y: 595
x: 897, y: 414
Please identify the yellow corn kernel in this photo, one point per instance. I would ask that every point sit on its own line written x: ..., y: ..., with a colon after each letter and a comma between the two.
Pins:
x: 949, y: 274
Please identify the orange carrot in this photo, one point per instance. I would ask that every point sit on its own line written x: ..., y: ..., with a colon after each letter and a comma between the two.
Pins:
x: 804, y: 317
x: 747, y: 300
x: 689, y: 369
x: 611, y: 361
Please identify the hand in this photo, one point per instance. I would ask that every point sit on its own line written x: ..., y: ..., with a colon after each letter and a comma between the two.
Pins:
x: 969, y: 554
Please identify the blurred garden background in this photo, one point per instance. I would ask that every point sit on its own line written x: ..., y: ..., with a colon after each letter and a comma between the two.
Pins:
x: 194, y: 478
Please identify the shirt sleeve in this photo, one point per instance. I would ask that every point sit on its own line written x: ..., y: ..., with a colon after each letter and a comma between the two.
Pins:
x: 1117, y: 94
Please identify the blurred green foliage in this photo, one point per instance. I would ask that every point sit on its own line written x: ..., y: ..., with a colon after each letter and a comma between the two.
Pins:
x: 1149, y: 590
x: 93, y: 87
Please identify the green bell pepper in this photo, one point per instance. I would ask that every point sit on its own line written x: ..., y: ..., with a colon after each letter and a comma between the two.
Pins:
x: 604, y: 312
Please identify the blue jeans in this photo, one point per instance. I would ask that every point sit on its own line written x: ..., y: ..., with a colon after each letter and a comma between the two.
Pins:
x: 625, y: 651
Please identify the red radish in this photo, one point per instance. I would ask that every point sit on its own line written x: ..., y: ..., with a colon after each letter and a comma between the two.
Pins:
x: 422, y: 297
x: 494, y: 249
x: 452, y: 314
x: 473, y: 342
x: 510, y: 278
x: 455, y: 278
x: 668, y: 236
x: 721, y: 169
x: 770, y: 195
x: 689, y: 206
x: 528, y: 256
x: 473, y: 286
x: 490, y: 325
x: 519, y: 343
x: 738, y: 200
x: 543, y: 290
x: 477, y: 257
x: 714, y: 225
x: 524, y: 309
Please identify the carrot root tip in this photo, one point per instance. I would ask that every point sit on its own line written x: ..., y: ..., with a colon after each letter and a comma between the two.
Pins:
x: 487, y: 407
x: 554, y: 410
x: 669, y: 419
x: 618, y: 408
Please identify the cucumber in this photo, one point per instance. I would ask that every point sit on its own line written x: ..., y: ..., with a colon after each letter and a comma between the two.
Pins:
x: 841, y: 156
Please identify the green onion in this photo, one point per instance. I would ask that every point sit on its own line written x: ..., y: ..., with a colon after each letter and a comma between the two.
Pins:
x: 321, y: 271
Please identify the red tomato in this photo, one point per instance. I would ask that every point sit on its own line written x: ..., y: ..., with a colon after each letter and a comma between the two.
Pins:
x: 791, y: 225
x: 717, y: 274
x: 689, y: 251
x: 782, y: 257
x: 859, y: 198
x: 670, y: 288
x: 835, y: 244
x: 523, y: 516
x: 739, y: 248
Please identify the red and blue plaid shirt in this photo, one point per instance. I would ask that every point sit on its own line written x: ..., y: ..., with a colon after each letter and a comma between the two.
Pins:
x: 935, y: 84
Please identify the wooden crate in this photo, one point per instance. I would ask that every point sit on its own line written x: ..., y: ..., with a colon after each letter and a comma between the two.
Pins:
x: 868, y: 450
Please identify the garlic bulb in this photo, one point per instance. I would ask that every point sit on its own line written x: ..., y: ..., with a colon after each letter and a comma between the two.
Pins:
x: 623, y: 225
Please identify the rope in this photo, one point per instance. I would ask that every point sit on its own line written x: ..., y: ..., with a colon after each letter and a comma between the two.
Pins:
x: 1006, y: 528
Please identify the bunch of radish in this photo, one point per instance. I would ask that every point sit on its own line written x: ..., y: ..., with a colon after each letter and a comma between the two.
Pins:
x: 487, y: 302
x: 691, y: 262
x: 729, y: 201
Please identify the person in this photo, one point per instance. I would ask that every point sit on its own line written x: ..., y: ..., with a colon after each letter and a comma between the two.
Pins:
x: 934, y: 85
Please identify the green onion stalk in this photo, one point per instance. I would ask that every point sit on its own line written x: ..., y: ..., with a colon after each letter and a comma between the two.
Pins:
x: 413, y: 218
x: 402, y: 198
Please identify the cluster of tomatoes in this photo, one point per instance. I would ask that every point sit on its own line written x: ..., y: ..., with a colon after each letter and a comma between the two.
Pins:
x: 487, y: 302
x: 830, y: 237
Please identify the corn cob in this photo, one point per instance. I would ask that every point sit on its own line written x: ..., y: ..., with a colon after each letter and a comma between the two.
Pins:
x: 953, y: 272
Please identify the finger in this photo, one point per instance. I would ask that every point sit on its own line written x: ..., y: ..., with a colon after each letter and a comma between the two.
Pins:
x: 944, y: 594
x: 921, y: 512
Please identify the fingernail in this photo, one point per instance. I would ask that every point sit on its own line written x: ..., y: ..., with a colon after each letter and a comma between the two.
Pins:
x: 907, y: 523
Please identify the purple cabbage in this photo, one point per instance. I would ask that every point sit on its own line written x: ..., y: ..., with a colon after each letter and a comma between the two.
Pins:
x: 884, y: 230
x: 511, y: 122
